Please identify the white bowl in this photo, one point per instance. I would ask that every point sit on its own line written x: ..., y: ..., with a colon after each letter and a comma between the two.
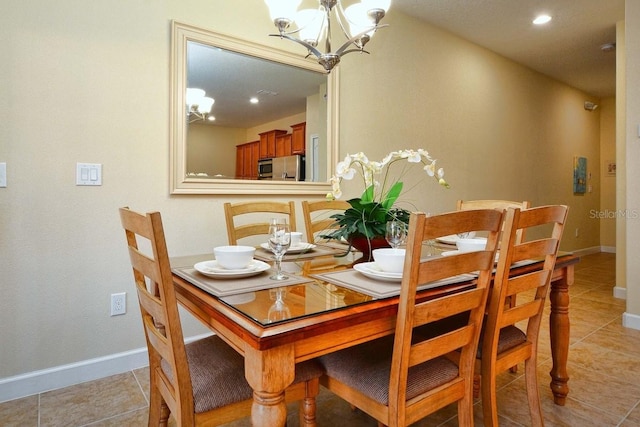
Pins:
x: 470, y: 245
x: 234, y: 257
x: 389, y: 260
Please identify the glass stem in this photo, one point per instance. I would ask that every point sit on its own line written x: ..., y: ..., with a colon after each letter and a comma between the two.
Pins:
x: 278, y: 266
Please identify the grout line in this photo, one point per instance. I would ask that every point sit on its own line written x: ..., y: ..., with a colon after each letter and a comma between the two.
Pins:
x: 628, y: 413
x: 140, y: 386
x: 112, y: 417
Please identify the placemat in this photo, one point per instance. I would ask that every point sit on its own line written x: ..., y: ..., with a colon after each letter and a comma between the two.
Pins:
x: 226, y: 287
x: 319, y: 251
x: 356, y: 281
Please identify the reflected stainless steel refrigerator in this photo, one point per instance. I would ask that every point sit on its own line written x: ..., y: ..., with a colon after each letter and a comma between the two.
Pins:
x: 288, y: 168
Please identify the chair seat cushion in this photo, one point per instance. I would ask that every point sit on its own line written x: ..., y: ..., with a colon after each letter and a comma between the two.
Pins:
x: 367, y: 368
x: 217, y: 374
x: 510, y: 336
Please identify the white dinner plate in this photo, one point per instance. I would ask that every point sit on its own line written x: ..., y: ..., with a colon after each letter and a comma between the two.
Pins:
x: 302, y: 247
x: 371, y: 270
x: 452, y: 238
x: 212, y: 269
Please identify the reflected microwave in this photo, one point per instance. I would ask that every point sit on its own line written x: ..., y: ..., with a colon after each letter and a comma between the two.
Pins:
x: 265, y: 169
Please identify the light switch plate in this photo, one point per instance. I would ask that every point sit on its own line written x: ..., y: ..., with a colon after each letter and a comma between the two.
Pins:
x: 3, y: 174
x: 88, y: 174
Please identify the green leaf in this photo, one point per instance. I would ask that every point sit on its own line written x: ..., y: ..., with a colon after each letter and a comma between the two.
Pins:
x: 367, y: 196
x: 392, y: 195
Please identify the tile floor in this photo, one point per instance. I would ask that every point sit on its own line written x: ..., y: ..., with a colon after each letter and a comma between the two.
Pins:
x: 604, y: 366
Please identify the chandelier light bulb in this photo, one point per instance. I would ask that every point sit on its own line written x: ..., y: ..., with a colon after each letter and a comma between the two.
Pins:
x: 311, y: 24
x: 205, y: 105
x: 194, y: 96
x: 359, y: 20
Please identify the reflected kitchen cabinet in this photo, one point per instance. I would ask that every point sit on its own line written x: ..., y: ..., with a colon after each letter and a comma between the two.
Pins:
x: 283, y: 145
x: 268, y: 143
x: 247, y: 160
x: 298, y: 138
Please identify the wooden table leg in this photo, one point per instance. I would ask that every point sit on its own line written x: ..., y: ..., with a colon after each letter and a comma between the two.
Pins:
x: 269, y: 373
x: 559, y: 329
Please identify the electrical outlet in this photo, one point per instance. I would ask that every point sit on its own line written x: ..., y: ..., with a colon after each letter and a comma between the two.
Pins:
x: 118, y: 303
x: 577, y: 232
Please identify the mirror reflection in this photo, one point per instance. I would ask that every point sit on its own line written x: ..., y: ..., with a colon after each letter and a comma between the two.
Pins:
x: 247, y: 119
x: 255, y: 113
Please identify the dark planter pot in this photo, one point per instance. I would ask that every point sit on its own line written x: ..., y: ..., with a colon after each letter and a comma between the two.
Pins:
x: 366, y: 246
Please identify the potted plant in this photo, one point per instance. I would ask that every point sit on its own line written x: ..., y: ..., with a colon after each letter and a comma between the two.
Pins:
x: 364, y: 224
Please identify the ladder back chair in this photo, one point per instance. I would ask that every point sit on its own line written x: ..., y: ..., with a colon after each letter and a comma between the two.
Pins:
x: 510, y: 333
x: 317, y: 216
x: 201, y: 383
x: 240, y: 231
x: 464, y: 205
x: 400, y: 379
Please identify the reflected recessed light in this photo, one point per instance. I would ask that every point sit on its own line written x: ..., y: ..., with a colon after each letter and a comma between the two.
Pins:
x: 542, y: 19
x: 254, y: 100
x: 211, y: 118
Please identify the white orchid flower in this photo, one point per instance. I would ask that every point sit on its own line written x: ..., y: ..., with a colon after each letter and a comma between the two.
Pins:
x: 413, y: 156
x: 347, y: 169
x: 430, y: 169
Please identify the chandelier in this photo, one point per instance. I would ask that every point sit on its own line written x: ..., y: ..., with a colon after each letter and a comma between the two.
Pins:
x: 198, y: 105
x: 358, y: 23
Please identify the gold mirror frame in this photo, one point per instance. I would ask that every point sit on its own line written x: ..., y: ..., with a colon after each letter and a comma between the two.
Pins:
x: 180, y: 183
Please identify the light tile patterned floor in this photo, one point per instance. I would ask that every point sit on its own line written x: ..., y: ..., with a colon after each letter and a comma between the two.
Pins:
x: 604, y: 366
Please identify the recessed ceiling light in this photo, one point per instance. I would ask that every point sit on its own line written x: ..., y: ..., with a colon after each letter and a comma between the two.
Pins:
x: 211, y: 118
x: 542, y: 19
x: 254, y: 100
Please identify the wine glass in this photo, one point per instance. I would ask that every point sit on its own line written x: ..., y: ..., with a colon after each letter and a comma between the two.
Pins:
x: 396, y: 233
x: 279, y: 309
x: 279, y: 242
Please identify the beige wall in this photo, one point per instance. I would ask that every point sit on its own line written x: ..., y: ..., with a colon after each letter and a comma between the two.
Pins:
x: 78, y: 78
x: 632, y: 166
x: 212, y: 149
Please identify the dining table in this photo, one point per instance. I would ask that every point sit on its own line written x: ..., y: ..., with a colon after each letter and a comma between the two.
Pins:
x: 328, y: 302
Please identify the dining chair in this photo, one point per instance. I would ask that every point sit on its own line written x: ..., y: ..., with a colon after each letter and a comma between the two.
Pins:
x: 464, y: 205
x: 237, y: 231
x: 317, y: 216
x: 203, y: 382
x: 402, y: 378
x: 510, y: 332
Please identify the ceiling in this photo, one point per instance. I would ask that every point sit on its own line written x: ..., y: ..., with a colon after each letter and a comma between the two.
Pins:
x: 567, y: 49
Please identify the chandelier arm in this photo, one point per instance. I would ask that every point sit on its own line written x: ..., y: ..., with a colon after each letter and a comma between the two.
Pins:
x: 355, y: 38
x: 355, y: 50
x: 311, y: 49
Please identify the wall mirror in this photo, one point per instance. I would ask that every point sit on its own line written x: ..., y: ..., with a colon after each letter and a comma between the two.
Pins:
x: 237, y: 146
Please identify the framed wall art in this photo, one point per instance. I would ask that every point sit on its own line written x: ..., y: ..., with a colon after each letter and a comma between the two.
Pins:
x: 579, y: 175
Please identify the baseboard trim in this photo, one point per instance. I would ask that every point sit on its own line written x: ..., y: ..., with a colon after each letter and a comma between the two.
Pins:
x: 588, y: 251
x: 56, y: 377
x: 619, y: 292
x: 630, y: 320
x: 608, y: 249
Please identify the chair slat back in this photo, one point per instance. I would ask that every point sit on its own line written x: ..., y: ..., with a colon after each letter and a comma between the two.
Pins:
x: 317, y: 216
x: 158, y: 307
x: 413, y: 314
x: 241, y: 231
x: 531, y: 288
x: 495, y: 204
